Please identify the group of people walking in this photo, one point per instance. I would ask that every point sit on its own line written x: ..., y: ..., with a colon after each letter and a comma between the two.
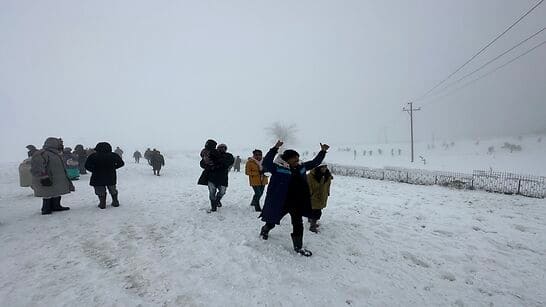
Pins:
x: 154, y: 158
x: 295, y: 188
x: 50, y: 171
x: 300, y: 189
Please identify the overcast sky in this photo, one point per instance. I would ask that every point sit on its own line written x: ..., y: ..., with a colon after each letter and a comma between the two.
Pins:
x: 171, y: 74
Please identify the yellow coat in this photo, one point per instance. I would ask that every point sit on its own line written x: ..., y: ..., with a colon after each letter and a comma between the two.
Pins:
x: 319, y: 190
x: 255, y: 177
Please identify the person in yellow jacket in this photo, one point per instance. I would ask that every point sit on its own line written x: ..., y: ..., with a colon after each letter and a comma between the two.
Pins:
x: 255, y: 172
x: 319, y: 181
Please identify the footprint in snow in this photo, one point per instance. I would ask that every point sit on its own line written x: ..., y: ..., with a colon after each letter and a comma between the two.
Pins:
x: 443, y: 233
x: 411, y: 257
x: 448, y: 276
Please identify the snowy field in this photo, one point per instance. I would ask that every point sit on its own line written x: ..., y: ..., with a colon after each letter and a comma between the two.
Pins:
x: 381, y: 244
x: 465, y: 156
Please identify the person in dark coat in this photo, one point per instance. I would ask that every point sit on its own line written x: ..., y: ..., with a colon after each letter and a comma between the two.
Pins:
x: 288, y: 192
x: 103, y: 164
x: 82, y: 157
x: 208, y: 153
x: 157, y: 161
x: 219, y: 176
x: 215, y: 162
x: 137, y: 155
x: 237, y: 165
x: 148, y: 156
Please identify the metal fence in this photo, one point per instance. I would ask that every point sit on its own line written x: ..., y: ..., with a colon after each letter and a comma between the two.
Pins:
x: 499, y: 182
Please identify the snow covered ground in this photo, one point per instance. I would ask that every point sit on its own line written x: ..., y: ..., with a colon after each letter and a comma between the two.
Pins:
x: 381, y: 244
x: 465, y: 156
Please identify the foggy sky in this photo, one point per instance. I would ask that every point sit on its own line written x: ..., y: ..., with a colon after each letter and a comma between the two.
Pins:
x: 170, y: 74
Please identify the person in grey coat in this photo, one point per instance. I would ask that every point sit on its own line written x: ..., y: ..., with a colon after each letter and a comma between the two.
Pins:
x: 31, y: 150
x: 49, y: 178
x: 119, y: 152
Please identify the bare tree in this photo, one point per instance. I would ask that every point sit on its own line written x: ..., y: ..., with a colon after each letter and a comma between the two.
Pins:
x: 283, y: 132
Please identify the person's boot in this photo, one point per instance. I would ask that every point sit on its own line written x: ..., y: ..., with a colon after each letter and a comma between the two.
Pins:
x: 298, y: 242
x: 213, y: 206
x: 115, y: 201
x: 46, y: 206
x: 264, y: 233
x: 56, y: 205
x: 218, y: 203
x: 314, y: 226
x: 102, y: 201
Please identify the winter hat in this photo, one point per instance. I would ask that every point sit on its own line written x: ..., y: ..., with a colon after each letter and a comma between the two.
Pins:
x: 222, y: 146
x: 288, y: 154
x: 256, y: 151
x: 31, y: 147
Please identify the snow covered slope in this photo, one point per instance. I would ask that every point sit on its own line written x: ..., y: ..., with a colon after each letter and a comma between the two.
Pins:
x: 382, y: 244
x: 464, y: 156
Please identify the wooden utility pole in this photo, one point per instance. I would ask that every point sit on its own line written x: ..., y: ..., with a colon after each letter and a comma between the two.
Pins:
x: 410, y: 111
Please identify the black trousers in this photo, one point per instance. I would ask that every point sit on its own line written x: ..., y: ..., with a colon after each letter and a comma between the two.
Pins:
x: 316, y: 214
x: 297, y: 222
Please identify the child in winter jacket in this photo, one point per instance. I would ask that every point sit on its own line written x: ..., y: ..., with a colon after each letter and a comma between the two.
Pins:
x: 319, y: 181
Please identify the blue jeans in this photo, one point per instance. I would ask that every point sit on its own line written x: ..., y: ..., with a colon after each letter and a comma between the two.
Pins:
x: 216, y: 192
x: 258, y: 192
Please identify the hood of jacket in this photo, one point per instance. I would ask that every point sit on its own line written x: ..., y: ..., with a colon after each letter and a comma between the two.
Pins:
x: 279, y: 161
x: 52, y: 144
x: 103, y: 147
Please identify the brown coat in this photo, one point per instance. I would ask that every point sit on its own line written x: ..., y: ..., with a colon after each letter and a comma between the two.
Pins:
x: 320, y: 191
x: 255, y: 176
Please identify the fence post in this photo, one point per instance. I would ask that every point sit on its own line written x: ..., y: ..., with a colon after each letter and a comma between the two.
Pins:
x: 407, y: 177
x: 519, y: 186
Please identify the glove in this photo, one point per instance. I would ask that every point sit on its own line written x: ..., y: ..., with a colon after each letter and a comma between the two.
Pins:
x: 46, y: 182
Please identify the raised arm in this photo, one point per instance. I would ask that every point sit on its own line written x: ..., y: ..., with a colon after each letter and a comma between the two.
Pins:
x: 309, y: 165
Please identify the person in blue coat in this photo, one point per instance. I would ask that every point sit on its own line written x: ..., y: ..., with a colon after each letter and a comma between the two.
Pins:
x: 288, y: 192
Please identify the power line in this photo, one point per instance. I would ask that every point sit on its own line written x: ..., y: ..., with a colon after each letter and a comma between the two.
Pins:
x: 493, y: 60
x: 481, y: 50
x: 487, y: 74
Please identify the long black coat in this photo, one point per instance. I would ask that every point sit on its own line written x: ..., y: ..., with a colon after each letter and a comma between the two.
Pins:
x: 157, y: 160
x: 218, y: 173
x: 103, y: 164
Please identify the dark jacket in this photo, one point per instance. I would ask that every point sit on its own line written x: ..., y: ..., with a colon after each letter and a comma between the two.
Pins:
x: 218, y: 174
x: 81, y: 153
x: 103, y: 164
x: 157, y: 160
x: 281, y: 187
